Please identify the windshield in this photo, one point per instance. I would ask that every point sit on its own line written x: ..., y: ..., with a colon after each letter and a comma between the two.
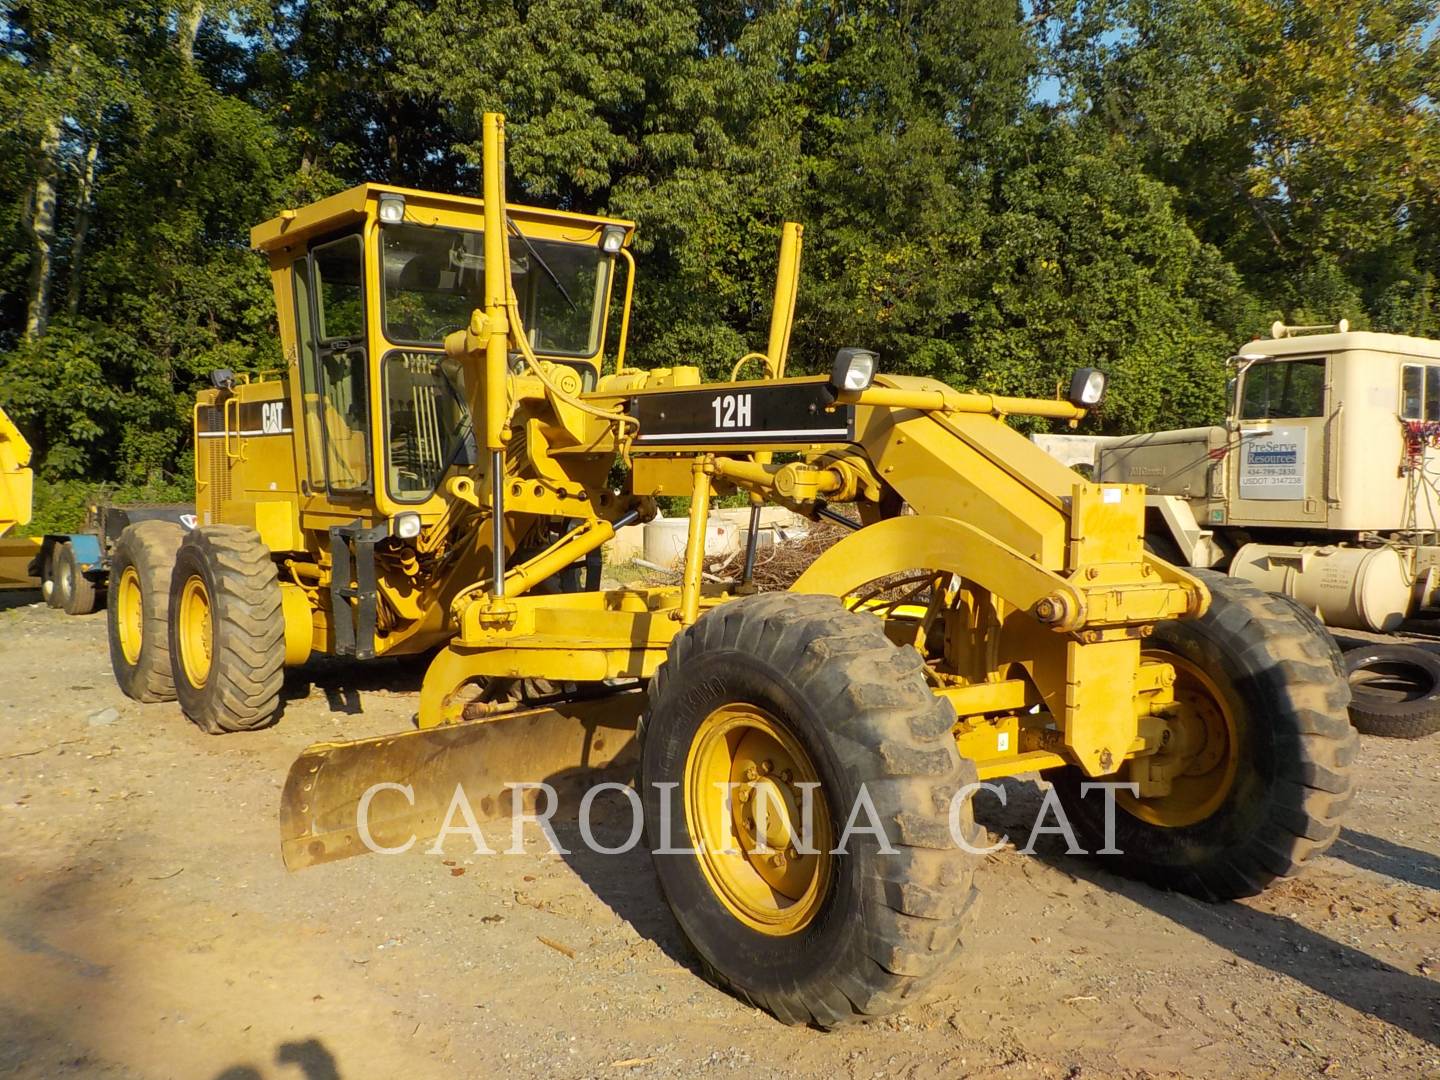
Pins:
x: 1284, y: 388
x: 435, y: 277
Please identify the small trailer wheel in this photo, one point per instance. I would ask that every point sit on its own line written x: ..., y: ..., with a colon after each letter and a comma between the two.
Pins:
x: 47, y: 576
x: 75, y: 594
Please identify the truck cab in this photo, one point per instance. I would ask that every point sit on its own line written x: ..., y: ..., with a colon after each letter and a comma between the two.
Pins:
x: 1326, y: 446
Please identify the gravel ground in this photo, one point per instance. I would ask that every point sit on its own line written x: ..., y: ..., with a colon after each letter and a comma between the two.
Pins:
x: 148, y: 928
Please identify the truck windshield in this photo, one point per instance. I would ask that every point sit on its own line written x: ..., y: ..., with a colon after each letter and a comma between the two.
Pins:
x: 435, y: 277
x: 1284, y: 388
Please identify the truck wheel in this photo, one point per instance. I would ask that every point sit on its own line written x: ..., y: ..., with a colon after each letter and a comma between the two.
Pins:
x: 778, y: 693
x: 1270, y: 751
x: 227, y: 630
x: 75, y: 593
x: 47, y: 577
x: 1394, y: 690
x: 139, y: 608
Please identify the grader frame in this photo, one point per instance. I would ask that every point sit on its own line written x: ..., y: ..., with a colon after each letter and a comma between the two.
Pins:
x: 1040, y: 635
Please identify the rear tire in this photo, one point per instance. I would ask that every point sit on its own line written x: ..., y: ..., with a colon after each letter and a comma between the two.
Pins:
x: 1292, y: 754
x: 227, y: 630
x: 878, y: 928
x: 75, y: 593
x: 1410, y: 717
x: 139, y: 609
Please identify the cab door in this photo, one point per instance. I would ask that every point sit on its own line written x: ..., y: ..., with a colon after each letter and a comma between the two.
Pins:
x: 1277, y: 474
x: 334, y: 367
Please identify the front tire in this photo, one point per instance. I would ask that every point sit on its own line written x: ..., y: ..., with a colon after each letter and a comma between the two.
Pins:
x: 227, y: 630
x: 1270, y: 796
x: 138, y: 613
x: 773, y: 692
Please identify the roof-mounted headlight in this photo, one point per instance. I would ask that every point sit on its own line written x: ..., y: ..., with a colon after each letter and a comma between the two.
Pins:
x: 392, y: 208
x: 1087, y: 387
x: 854, y: 369
x: 612, y: 238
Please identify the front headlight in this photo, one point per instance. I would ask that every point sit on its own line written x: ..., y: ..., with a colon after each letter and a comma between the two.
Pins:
x: 854, y: 369
x: 1087, y: 387
x: 405, y: 526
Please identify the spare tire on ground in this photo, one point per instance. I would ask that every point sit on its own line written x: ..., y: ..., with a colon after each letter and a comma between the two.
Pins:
x: 1394, y: 690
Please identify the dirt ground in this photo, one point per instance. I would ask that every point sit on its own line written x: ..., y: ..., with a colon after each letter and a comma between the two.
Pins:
x: 148, y: 928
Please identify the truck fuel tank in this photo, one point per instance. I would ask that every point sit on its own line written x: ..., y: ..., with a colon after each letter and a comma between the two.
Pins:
x: 1351, y: 587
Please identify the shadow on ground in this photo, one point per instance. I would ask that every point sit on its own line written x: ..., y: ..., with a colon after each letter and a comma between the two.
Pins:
x: 1391, y: 859
x: 310, y: 1056
x: 1346, y: 975
x: 625, y: 882
x: 343, y: 681
x: 10, y: 599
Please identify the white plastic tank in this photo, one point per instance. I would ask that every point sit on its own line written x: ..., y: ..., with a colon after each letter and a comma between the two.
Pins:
x: 665, y: 539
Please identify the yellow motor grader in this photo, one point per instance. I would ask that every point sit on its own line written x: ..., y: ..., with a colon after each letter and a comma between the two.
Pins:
x: 432, y: 476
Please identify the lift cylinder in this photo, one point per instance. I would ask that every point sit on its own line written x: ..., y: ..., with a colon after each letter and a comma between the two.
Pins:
x: 1353, y: 588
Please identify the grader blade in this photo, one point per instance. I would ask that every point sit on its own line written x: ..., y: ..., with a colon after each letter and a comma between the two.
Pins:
x: 411, y: 778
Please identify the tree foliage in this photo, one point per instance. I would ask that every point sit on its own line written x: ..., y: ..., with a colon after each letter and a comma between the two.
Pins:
x: 993, y: 194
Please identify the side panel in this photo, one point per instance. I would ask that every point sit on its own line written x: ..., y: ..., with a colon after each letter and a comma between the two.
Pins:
x: 1369, y: 444
x: 245, y: 468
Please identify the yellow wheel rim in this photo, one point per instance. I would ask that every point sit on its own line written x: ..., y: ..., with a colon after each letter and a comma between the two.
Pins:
x: 746, y: 784
x: 130, y: 615
x: 1205, y: 748
x: 195, y: 630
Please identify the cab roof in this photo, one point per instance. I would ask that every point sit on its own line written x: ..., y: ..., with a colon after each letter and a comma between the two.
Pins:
x: 1352, y: 341
x: 290, y: 228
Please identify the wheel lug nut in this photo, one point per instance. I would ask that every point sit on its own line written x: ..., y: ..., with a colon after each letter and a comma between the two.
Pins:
x: 743, y: 794
x: 778, y: 862
x: 750, y: 773
x: 765, y: 768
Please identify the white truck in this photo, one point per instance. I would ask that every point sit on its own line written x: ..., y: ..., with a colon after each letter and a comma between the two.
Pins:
x: 1322, y: 485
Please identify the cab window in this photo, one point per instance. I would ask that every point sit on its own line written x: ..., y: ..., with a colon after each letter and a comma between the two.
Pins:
x: 435, y: 277
x: 1285, y: 389
x: 1420, y: 392
x: 429, y: 427
x: 338, y: 313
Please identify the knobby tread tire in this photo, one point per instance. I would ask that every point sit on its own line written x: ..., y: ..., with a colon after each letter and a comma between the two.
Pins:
x: 150, y: 547
x: 247, y: 660
x: 892, y: 923
x: 75, y: 593
x: 1310, y: 619
x: 1394, y: 719
x: 1295, y: 775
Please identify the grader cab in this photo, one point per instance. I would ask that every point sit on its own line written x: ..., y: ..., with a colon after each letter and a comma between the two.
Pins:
x: 434, y: 470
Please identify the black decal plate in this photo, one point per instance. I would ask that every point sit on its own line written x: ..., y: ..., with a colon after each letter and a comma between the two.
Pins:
x: 255, y: 417
x: 800, y: 413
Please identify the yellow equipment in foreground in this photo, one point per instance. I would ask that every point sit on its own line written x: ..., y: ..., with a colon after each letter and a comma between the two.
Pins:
x: 435, y: 470
x: 16, y: 486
